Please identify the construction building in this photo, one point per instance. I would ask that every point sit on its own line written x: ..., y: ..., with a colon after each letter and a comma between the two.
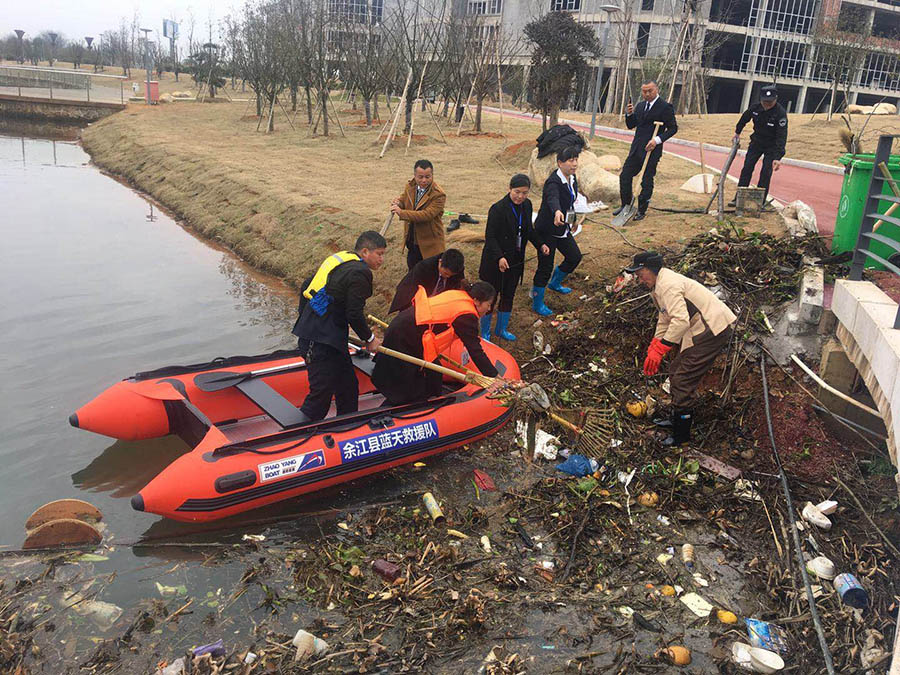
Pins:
x: 744, y: 44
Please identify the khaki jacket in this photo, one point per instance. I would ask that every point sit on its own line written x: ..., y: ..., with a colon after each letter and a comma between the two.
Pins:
x: 426, y: 218
x: 686, y: 309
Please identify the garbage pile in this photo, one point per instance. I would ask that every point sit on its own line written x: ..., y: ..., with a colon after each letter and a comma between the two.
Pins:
x: 531, y: 554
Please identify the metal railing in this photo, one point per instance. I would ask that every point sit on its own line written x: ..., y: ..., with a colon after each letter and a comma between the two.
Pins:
x: 873, y: 219
x: 59, y: 84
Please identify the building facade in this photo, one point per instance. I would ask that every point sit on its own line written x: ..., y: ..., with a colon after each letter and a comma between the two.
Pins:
x: 745, y: 44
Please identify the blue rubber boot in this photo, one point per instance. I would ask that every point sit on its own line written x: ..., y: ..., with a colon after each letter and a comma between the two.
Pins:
x: 537, y: 301
x: 486, y: 327
x: 502, y: 323
x: 556, y: 282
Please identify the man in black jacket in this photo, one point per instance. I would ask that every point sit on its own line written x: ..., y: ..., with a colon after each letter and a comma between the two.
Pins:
x: 401, y: 382
x: 332, y: 301
x: 770, y: 127
x: 641, y: 118
x: 442, y: 272
x: 552, y: 225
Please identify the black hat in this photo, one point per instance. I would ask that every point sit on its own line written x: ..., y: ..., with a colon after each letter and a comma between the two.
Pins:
x: 769, y: 93
x: 649, y: 259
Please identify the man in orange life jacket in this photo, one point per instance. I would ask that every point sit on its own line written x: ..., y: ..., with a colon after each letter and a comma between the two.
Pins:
x: 332, y: 301
x: 417, y: 331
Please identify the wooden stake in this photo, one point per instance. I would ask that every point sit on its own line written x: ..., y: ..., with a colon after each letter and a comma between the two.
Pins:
x: 412, y: 117
x: 703, y: 168
x: 468, y: 98
x: 499, y: 87
x: 400, y: 105
x: 340, y: 126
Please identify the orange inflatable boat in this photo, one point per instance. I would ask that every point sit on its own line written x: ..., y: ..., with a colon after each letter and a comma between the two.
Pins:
x: 250, y: 447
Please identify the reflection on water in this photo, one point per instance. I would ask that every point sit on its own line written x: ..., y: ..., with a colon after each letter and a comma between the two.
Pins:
x: 124, y: 467
x: 95, y: 290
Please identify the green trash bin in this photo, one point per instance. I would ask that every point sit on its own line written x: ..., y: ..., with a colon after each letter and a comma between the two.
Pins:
x: 853, y: 200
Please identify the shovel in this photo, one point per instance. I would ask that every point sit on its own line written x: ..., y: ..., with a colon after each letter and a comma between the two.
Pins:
x: 628, y: 210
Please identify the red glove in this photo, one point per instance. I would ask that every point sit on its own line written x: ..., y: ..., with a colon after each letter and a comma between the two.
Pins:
x: 655, y: 353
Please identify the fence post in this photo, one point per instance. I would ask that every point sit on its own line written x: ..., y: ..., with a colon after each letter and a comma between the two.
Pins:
x: 882, y: 154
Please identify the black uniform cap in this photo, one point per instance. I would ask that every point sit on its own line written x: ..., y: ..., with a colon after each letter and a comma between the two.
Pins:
x: 769, y: 93
x: 649, y: 259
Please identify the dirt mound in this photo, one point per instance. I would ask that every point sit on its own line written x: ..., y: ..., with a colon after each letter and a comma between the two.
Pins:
x: 516, y: 156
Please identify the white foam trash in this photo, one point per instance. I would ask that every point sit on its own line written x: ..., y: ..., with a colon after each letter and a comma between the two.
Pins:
x: 822, y: 567
x: 812, y: 515
x: 827, y: 507
x: 764, y: 661
x: 740, y: 654
x: 308, y: 645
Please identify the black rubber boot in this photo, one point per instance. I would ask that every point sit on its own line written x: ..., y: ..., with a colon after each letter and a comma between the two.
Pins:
x: 681, y: 428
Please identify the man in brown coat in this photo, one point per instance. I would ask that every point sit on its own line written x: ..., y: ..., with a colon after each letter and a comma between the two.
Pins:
x: 421, y: 208
x: 691, y: 319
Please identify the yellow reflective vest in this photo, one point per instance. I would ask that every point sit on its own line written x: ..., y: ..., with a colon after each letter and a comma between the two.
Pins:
x: 321, y: 277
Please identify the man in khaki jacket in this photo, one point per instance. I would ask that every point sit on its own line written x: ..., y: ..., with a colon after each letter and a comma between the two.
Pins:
x: 421, y: 208
x: 692, y: 319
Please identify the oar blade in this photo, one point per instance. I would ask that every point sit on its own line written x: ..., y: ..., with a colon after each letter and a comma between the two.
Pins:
x: 218, y: 380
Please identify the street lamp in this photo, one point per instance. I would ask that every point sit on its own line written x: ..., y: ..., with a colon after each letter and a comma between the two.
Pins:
x: 146, y: 32
x: 53, y: 38
x: 609, y: 9
x: 20, y: 34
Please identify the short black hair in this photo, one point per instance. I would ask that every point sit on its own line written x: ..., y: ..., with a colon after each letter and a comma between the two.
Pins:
x: 520, y: 180
x: 423, y: 164
x: 482, y: 291
x: 653, y: 82
x: 567, y: 153
x: 371, y: 240
x: 453, y: 260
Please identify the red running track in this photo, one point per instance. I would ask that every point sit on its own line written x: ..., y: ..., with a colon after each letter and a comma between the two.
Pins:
x: 819, y: 189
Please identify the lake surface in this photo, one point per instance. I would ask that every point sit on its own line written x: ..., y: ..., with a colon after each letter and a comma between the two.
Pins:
x: 98, y: 284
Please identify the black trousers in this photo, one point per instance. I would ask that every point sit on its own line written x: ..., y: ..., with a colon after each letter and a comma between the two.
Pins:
x: 505, y: 283
x: 413, y: 255
x: 571, y: 257
x: 331, y: 375
x: 631, y: 168
x: 754, y: 152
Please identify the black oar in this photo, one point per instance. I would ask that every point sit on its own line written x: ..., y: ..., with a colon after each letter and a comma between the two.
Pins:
x: 221, y: 379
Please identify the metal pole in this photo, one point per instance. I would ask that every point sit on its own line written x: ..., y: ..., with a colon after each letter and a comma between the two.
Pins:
x: 146, y: 60
x: 595, y: 100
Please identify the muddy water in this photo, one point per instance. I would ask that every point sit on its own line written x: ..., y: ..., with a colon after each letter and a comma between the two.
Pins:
x: 98, y: 284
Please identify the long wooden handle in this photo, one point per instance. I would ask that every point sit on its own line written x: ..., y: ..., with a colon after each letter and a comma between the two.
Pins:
x: 376, y: 321
x: 656, y: 126
x: 387, y: 224
x: 566, y: 423
x: 422, y: 363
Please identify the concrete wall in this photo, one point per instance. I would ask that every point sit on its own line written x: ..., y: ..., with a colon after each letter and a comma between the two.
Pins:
x: 866, y: 331
x: 61, y: 112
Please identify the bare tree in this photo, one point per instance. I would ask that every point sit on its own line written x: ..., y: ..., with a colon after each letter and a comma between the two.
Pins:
x: 841, y: 48
x: 365, y: 56
x: 260, y: 56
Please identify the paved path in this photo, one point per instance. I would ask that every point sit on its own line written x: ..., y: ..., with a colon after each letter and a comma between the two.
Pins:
x: 819, y: 189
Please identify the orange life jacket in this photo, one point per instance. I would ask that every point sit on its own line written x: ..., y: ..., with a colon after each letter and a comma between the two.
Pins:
x: 441, y: 308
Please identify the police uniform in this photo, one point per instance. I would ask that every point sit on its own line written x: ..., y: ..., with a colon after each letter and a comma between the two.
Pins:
x: 767, y: 140
x: 332, y: 301
x: 422, y: 331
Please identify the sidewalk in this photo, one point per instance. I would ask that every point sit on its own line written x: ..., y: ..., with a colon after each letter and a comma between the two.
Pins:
x: 820, y: 189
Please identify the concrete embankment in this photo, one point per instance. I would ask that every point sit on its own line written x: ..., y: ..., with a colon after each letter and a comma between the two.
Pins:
x: 59, y: 112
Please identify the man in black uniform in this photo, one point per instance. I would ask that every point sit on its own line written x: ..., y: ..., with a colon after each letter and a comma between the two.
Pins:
x: 641, y: 118
x: 442, y: 272
x: 770, y: 126
x: 403, y: 382
x: 332, y: 301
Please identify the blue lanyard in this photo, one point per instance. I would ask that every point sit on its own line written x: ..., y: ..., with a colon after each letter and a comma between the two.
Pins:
x: 519, y: 232
x: 516, y: 214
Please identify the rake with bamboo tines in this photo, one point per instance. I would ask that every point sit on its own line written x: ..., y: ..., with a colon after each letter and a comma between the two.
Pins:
x: 594, y: 430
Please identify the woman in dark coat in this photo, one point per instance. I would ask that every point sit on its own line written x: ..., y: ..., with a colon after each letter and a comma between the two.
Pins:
x: 508, y: 230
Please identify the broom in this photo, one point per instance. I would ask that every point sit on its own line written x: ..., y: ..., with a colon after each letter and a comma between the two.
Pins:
x: 596, y: 427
